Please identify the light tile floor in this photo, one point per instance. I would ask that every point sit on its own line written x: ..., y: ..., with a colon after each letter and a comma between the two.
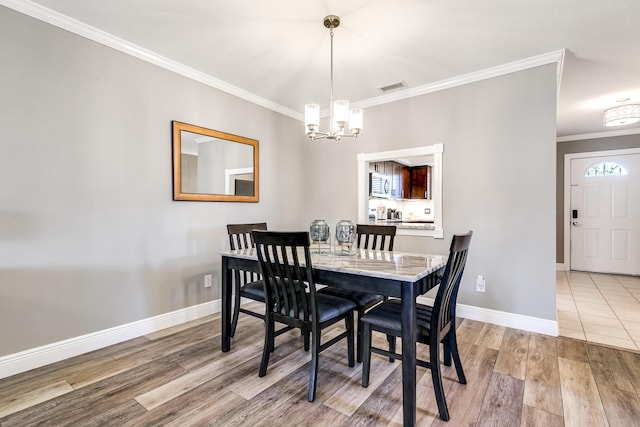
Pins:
x: 600, y: 308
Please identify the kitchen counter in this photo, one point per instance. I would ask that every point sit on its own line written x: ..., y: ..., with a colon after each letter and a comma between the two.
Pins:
x: 413, y: 224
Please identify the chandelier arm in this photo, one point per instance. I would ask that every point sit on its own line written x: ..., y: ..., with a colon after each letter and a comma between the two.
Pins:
x: 323, y: 135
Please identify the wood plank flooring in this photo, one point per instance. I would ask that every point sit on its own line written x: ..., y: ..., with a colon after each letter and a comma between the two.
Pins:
x: 179, y: 377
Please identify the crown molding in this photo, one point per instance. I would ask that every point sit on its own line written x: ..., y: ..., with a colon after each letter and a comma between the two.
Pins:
x: 74, y: 26
x: 77, y: 27
x: 595, y: 135
x: 556, y: 56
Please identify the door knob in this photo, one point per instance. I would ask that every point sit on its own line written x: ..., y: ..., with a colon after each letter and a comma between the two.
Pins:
x: 576, y: 224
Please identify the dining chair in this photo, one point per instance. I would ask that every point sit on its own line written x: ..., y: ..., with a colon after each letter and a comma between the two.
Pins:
x: 434, y: 325
x: 375, y: 237
x: 291, y: 298
x: 245, y: 284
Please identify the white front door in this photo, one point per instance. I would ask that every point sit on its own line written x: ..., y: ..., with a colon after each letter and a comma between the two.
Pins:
x: 605, y: 215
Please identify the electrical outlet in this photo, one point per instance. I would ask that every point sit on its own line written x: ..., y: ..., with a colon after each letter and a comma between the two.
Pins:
x: 427, y: 211
x: 207, y: 280
x: 480, y: 284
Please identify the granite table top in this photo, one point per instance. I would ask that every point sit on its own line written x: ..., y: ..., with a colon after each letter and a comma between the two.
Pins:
x: 402, y: 266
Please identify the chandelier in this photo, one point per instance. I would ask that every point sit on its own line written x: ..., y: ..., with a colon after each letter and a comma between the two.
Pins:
x: 340, y: 117
x: 624, y: 114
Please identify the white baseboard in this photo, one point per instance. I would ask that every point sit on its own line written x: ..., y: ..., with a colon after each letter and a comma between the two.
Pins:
x: 561, y: 267
x: 502, y: 318
x: 36, y: 357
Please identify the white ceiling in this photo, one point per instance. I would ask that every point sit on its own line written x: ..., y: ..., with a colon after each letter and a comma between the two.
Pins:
x: 278, y: 51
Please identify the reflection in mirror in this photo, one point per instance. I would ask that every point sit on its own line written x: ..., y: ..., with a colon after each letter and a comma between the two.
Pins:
x: 209, y: 165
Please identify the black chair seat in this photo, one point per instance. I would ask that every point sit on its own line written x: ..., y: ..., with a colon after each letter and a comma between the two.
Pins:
x: 388, y: 315
x: 362, y: 299
x: 330, y: 307
x: 254, y: 291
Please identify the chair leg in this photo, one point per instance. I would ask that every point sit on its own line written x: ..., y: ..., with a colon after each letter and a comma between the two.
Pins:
x: 392, y: 346
x: 359, y: 336
x: 436, y: 377
x: 349, y: 326
x: 366, y: 355
x: 456, y: 359
x: 268, y: 345
x: 305, y: 339
x: 272, y: 339
x: 446, y: 351
x: 315, y: 353
x: 236, y: 303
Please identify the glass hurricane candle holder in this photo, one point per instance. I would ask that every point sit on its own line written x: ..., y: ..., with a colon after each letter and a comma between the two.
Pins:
x: 345, y: 237
x: 320, y: 236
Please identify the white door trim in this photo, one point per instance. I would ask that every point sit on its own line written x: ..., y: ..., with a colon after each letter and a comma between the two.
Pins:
x: 567, y: 192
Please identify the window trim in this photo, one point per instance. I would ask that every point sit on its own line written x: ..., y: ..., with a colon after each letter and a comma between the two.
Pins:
x: 434, y: 150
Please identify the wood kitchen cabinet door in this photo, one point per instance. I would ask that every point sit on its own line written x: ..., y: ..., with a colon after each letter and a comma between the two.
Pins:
x: 405, y: 182
x: 378, y: 167
x: 396, y: 186
x: 421, y: 182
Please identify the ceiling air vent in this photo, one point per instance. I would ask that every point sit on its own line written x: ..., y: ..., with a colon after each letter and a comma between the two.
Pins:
x: 393, y: 86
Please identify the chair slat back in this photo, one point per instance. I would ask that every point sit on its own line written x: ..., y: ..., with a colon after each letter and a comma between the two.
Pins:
x: 375, y: 236
x: 444, y: 307
x: 240, y: 237
x: 289, y: 286
x: 240, y: 234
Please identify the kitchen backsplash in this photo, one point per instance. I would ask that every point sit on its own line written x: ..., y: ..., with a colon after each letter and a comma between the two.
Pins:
x: 411, y: 209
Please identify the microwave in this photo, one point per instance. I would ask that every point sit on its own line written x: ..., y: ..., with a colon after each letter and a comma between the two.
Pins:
x: 379, y: 185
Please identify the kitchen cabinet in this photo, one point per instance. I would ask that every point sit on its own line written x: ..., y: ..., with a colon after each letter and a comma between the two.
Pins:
x: 379, y: 167
x: 388, y: 168
x: 393, y: 170
x: 400, y: 181
x: 399, y: 176
x: 421, y: 182
x: 405, y: 182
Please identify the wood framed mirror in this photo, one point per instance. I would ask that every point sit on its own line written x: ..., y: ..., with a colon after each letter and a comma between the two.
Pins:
x: 213, y: 166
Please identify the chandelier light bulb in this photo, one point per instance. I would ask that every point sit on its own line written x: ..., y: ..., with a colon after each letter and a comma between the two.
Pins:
x: 355, y: 120
x: 341, y: 112
x: 311, y: 118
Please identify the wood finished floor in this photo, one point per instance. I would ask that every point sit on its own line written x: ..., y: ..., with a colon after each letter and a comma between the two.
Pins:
x: 179, y: 377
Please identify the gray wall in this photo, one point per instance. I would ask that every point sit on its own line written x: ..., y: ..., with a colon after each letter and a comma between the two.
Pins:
x: 89, y: 235
x: 499, y: 137
x: 582, y: 146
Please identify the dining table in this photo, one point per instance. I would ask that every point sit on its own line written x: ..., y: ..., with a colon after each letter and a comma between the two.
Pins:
x: 393, y: 274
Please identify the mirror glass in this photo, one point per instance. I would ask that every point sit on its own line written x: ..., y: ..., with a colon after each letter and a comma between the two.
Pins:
x: 210, y: 165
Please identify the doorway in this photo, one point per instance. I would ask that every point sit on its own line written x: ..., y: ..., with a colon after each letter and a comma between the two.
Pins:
x: 601, y: 236
x: 602, y: 212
